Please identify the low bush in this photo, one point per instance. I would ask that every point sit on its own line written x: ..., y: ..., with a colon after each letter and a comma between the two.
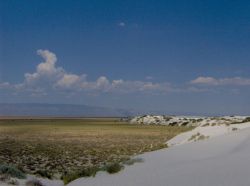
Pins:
x: 202, y: 137
x: 91, y: 171
x: 12, y: 171
x: 44, y: 174
x: 246, y: 120
x: 86, y: 172
x: 113, y: 168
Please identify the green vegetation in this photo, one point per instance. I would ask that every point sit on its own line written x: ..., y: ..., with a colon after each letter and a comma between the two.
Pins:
x: 11, y: 171
x: 246, y: 120
x: 194, y: 136
x: 72, y: 148
x: 86, y: 172
x: 198, y: 136
x: 113, y: 168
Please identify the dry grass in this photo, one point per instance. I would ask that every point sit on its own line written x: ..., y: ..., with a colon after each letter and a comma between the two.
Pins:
x: 54, y: 147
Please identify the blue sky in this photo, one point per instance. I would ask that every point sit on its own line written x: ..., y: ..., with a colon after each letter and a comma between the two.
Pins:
x: 172, y: 56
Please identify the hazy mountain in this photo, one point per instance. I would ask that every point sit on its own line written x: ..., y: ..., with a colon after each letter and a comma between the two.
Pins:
x: 61, y: 110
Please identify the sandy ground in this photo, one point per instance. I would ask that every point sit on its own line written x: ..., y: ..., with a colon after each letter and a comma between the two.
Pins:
x: 219, y: 161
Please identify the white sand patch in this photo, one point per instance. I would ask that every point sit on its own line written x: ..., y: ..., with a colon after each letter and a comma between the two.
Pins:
x: 185, y: 120
x: 206, y: 132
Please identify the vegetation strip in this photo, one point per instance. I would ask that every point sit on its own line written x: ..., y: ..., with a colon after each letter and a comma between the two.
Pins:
x: 56, y: 148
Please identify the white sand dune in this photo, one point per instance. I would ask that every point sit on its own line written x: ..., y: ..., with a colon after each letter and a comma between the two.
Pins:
x: 207, y: 132
x: 219, y: 161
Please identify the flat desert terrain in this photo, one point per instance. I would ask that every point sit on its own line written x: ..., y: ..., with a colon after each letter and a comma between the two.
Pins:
x: 69, y: 148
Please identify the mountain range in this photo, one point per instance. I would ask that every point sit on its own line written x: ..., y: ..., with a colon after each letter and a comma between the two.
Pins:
x: 60, y: 110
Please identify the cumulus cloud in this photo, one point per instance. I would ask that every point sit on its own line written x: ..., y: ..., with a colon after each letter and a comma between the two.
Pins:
x: 69, y: 80
x: 46, y: 72
x: 50, y: 77
x: 235, y: 81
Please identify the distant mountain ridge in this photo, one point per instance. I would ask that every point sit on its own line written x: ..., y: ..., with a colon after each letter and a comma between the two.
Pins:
x: 60, y: 110
x: 74, y: 110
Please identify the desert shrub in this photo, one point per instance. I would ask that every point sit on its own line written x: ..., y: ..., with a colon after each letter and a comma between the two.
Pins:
x: 133, y: 161
x: 34, y: 182
x: 113, y: 168
x: 12, y: 171
x: 193, y: 137
x: 246, y: 120
x: 90, y: 171
x: 173, y: 123
x: 44, y: 173
x: 199, y: 120
x: 69, y: 177
x: 185, y: 123
x: 197, y: 137
x: 86, y: 172
x: 202, y: 137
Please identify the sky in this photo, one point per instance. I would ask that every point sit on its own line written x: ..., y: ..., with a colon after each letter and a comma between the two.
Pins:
x: 184, y: 56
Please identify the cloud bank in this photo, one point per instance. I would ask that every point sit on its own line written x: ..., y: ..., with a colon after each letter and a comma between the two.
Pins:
x: 235, y: 81
x: 48, y: 76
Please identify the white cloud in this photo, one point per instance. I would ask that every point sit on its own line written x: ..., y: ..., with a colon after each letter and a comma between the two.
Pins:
x: 46, y: 72
x: 49, y: 77
x: 122, y: 24
x: 235, y: 81
x: 68, y: 80
x: 204, y: 80
x: 47, y: 67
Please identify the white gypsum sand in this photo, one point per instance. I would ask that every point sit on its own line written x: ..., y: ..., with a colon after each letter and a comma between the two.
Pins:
x: 218, y: 161
x: 205, y: 132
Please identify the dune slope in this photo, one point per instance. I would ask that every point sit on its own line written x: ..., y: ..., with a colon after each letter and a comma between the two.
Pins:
x: 219, y: 161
